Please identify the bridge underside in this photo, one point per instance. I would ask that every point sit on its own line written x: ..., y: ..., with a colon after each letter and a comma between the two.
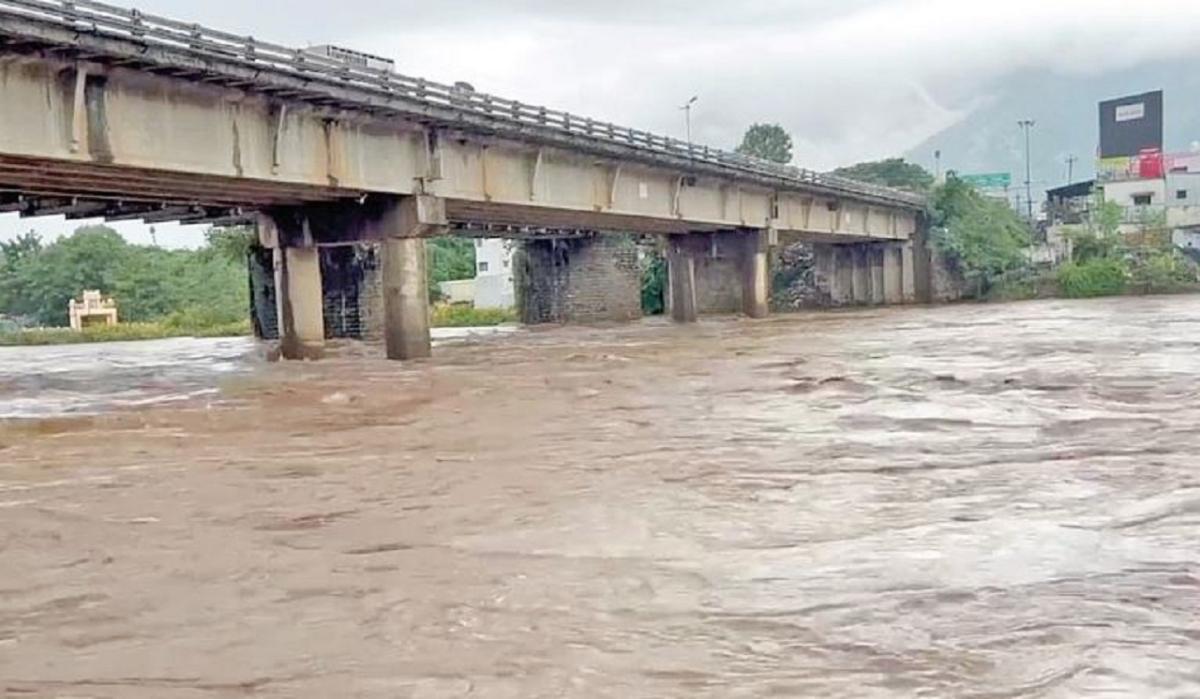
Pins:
x: 97, y: 124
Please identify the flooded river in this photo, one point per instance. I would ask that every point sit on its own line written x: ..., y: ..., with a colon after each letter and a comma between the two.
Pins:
x: 977, y: 501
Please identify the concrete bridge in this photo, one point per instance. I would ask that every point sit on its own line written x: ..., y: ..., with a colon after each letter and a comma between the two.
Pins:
x: 107, y: 112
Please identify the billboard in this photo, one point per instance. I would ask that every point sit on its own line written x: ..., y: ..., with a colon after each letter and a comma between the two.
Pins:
x: 1131, y: 126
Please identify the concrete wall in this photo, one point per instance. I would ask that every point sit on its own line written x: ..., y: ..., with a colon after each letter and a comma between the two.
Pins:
x: 719, y: 281
x: 946, y: 283
x: 458, y: 291
x: 578, y: 280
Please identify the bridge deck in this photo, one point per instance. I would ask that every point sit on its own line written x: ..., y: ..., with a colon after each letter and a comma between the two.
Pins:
x: 117, y: 36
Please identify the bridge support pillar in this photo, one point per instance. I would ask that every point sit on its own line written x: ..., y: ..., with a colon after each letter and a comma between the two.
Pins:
x: 756, y: 288
x: 724, y: 272
x: 681, y: 279
x: 299, y: 302
x: 860, y: 274
x: 908, y: 273
x: 405, y: 299
x: 841, y: 285
x: 893, y: 274
x: 876, y: 256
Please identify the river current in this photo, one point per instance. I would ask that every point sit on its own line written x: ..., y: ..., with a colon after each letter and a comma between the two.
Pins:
x: 969, y: 501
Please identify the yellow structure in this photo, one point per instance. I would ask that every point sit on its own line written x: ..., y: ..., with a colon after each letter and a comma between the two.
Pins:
x: 93, y: 310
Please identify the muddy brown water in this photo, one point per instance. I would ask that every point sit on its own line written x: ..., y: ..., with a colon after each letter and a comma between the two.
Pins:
x: 977, y: 501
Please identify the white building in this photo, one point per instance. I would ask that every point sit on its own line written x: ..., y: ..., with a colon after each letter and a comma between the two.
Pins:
x: 494, y: 273
x: 1175, y: 196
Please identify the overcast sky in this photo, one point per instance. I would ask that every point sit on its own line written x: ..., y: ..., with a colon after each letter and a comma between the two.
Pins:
x: 850, y: 79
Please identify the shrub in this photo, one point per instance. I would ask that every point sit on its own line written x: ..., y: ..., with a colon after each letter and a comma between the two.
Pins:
x: 464, y: 316
x: 654, y: 284
x: 122, y: 332
x: 1162, y: 270
x: 1096, y: 277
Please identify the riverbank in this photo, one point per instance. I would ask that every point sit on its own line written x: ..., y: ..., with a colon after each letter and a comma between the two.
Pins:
x: 123, y: 332
x: 444, y: 316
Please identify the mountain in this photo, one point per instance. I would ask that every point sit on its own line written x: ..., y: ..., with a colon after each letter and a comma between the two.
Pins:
x: 1065, y: 109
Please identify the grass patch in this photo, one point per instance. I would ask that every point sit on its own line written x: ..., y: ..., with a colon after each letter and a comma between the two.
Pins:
x: 1095, y: 277
x: 122, y: 332
x: 464, y: 316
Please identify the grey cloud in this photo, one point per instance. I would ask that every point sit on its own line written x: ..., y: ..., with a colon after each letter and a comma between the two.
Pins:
x: 850, y: 79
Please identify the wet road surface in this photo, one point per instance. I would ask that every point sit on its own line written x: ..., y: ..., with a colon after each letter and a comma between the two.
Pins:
x: 977, y: 501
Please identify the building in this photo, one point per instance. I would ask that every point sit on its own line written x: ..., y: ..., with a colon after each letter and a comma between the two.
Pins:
x: 494, y: 273
x: 1158, y: 192
x: 1070, y: 204
x: 92, y: 310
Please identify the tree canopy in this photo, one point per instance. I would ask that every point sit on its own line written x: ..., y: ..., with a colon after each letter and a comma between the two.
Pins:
x: 37, y: 281
x: 768, y: 142
x: 891, y: 172
x: 983, y: 235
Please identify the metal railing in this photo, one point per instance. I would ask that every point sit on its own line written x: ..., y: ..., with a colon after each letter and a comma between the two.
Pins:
x: 101, y: 19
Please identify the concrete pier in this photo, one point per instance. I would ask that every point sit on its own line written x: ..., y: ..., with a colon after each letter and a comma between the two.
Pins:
x: 893, y: 274
x: 405, y: 299
x: 875, y: 257
x: 681, y: 280
x: 908, y: 273
x: 861, y: 275
x: 756, y: 288
x: 727, y: 272
x: 298, y: 295
x: 842, y: 290
x: 578, y: 280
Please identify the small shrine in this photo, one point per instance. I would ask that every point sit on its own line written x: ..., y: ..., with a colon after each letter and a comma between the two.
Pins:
x: 92, y: 311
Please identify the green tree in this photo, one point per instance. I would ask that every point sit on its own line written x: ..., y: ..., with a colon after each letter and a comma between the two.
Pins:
x: 767, y: 142
x: 149, y: 283
x: 449, y: 259
x: 232, y: 242
x: 41, y: 284
x: 17, y: 249
x: 982, y: 235
x: 892, y: 172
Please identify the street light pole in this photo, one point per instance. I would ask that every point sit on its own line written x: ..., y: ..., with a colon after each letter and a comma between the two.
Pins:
x: 1027, y: 125
x: 687, y: 116
x: 1071, y: 160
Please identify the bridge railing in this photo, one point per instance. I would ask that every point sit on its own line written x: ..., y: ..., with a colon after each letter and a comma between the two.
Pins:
x: 112, y: 21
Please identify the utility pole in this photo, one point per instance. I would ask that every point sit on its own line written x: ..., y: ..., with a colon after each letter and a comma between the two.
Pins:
x: 687, y: 116
x: 1027, y: 126
x: 1071, y: 160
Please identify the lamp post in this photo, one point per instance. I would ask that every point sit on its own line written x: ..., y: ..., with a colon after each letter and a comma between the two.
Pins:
x: 1027, y: 126
x: 687, y: 116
